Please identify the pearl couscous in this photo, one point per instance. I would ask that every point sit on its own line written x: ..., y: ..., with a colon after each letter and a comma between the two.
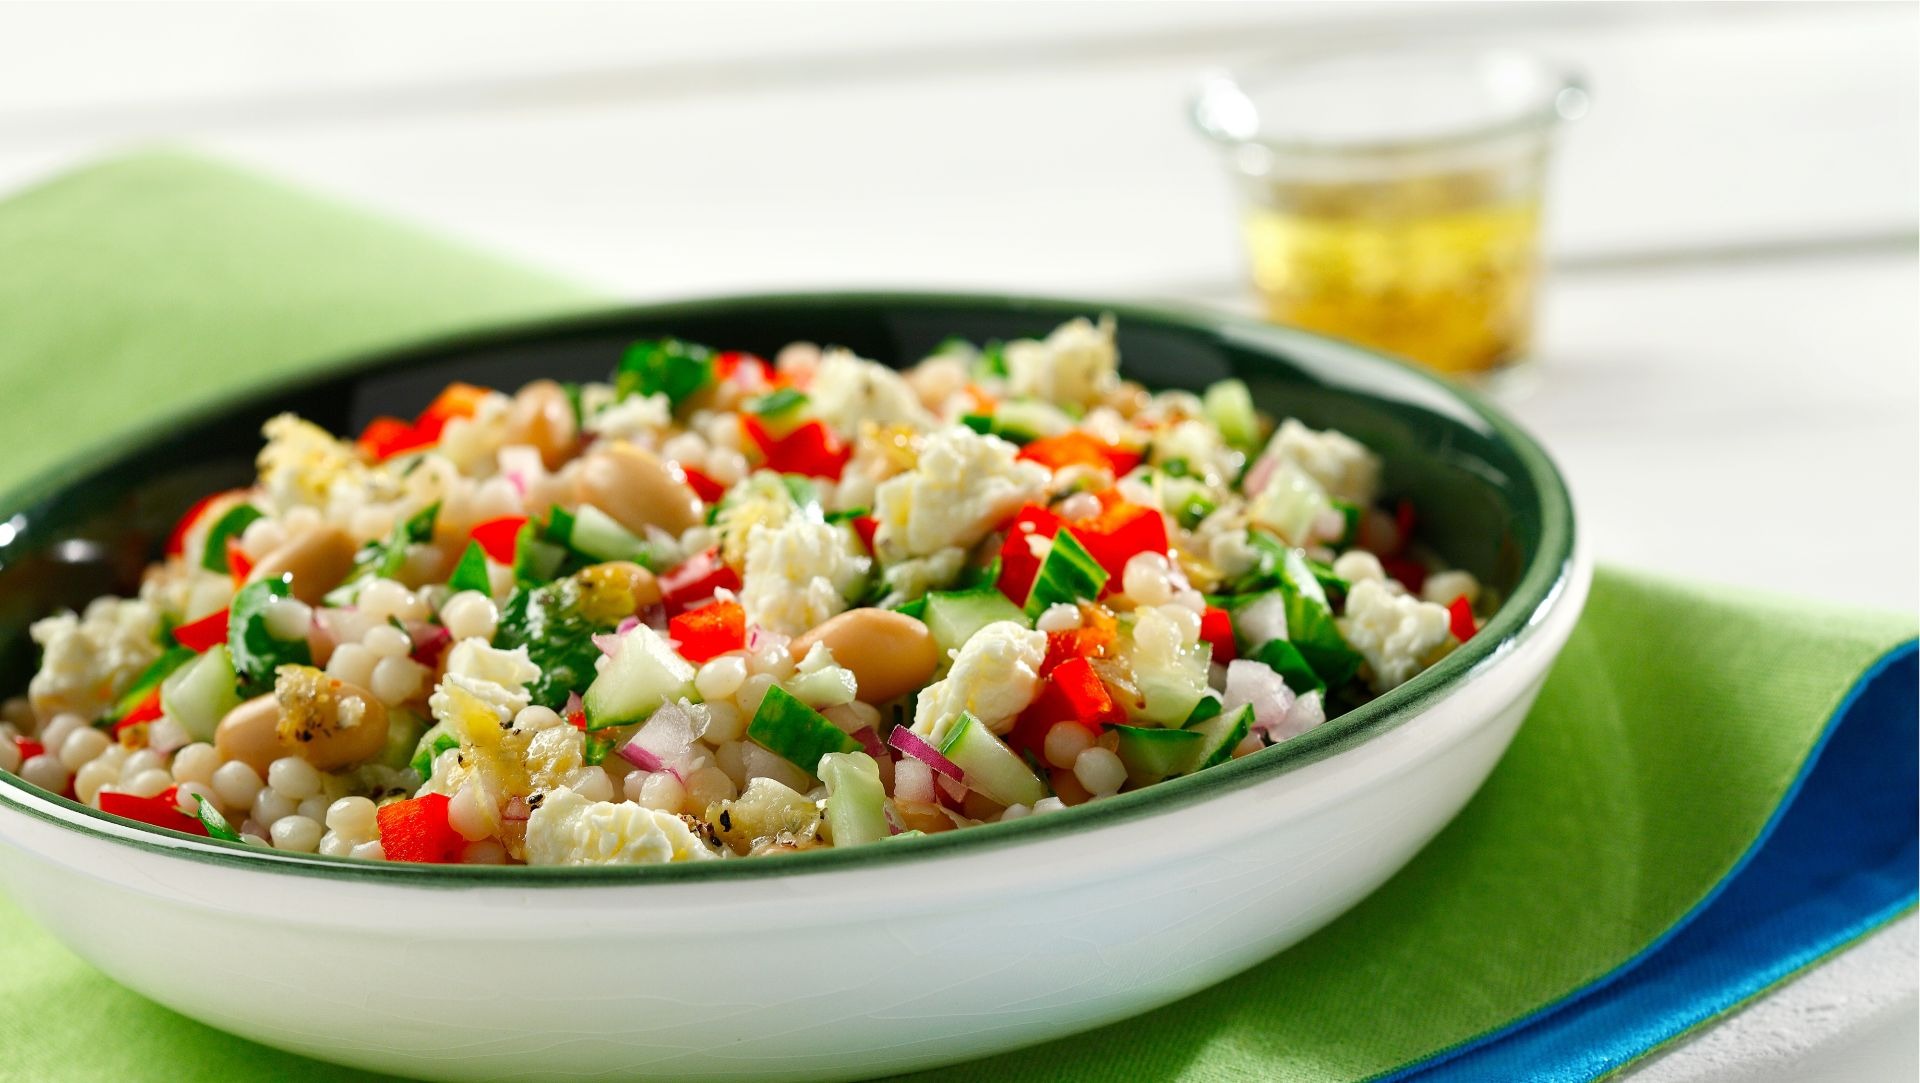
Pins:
x: 718, y: 607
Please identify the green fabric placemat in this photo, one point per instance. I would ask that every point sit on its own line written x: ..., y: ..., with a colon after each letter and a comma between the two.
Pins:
x: 1664, y: 740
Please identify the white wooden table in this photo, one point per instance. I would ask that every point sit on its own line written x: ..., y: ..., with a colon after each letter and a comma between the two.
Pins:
x: 1729, y: 344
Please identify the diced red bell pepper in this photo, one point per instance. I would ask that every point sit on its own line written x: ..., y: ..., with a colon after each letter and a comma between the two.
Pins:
x: 748, y: 369
x: 1460, y: 619
x: 866, y: 526
x: 695, y: 580
x: 578, y: 720
x: 500, y: 538
x: 1018, y: 564
x: 158, y: 810
x: 456, y: 400
x: 1120, y: 533
x: 811, y: 449
x: 203, y: 633
x: 177, y: 538
x: 385, y: 437
x: 237, y: 562
x: 709, y: 631
x: 704, y: 487
x: 1216, y: 628
x: 146, y: 710
x: 28, y: 748
x: 1087, y: 694
x: 1411, y: 573
x: 417, y: 830
x: 1093, y: 639
x: 1076, y: 448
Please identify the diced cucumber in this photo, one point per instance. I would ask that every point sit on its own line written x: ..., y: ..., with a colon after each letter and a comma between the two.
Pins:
x: 403, y: 738
x: 536, y: 561
x: 149, y: 679
x: 1221, y: 735
x: 1170, y: 691
x: 1068, y: 574
x: 796, y: 732
x: 989, y: 766
x: 1153, y: 754
x: 1023, y: 421
x: 216, y: 824
x: 643, y: 674
x: 433, y: 742
x: 781, y: 406
x: 230, y: 525
x: 1285, y: 659
x: 1290, y: 504
x: 953, y: 616
x: 199, y: 694
x: 595, y: 534
x: 856, y: 811
x: 1229, y: 405
x: 1310, y: 624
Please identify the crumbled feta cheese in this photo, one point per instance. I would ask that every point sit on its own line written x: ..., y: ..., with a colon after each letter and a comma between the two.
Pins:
x: 759, y: 499
x: 568, y: 829
x: 1398, y: 635
x: 799, y: 573
x: 1293, y: 505
x: 302, y: 463
x: 995, y: 675
x: 1198, y: 447
x: 639, y: 419
x: 847, y: 391
x: 963, y: 484
x: 483, y: 686
x: 87, y: 661
x: 1339, y: 463
x: 1078, y: 363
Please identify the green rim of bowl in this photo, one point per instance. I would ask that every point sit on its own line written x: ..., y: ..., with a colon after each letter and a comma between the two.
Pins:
x: 1540, y: 586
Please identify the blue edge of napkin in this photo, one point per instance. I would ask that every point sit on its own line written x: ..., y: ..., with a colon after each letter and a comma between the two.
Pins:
x: 1837, y: 860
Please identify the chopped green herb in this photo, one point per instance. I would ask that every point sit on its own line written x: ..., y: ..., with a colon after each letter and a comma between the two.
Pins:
x: 776, y: 403
x: 548, y: 622
x: 384, y: 558
x: 256, y: 651
x: 665, y: 366
x: 227, y: 526
x: 216, y: 824
x: 471, y: 572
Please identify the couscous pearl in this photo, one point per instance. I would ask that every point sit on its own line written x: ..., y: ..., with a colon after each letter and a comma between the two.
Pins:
x: 726, y: 465
x: 484, y: 852
x: 385, y: 598
x: 93, y: 776
x: 721, y: 677
x: 593, y: 784
x: 1014, y: 812
x: 144, y: 760
x: 1059, y: 617
x: 1187, y: 620
x: 271, y: 806
x: 470, y: 615
x: 664, y: 792
x: 184, y: 798
x: 354, y: 818
x: 753, y: 690
x: 466, y: 816
x: 61, y: 727
x: 296, y: 833
x: 1064, y: 743
x: 335, y: 845
x: 236, y: 784
x: 370, y: 851
x: 294, y: 778
x: 386, y: 641
x: 1191, y: 600
x: 1441, y: 588
x: 81, y: 746
x: 396, y: 680
x: 352, y: 663
x: 314, y: 808
x: 706, y: 786
x: 1146, y: 579
x: 724, y: 723
x: 195, y: 763
x: 288, y: 618
x: 146, y: 783
x: 1079, y: 506
x: 1099, y: 770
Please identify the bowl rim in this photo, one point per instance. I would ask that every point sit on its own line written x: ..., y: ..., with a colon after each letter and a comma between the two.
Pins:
x: 1541, y: 586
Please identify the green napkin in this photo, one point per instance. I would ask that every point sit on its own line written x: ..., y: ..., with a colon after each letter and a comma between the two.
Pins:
x: 1665, y: 738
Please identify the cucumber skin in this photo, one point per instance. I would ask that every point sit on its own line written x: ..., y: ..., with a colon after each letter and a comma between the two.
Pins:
x: 989, y: 766
x: 1153, y: 755
x: 950, y: 613
x: 856, y: 802
x: 796, y: 732
x: 642, y: 648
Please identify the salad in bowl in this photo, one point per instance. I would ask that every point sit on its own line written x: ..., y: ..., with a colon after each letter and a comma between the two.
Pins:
x: 721, y: 606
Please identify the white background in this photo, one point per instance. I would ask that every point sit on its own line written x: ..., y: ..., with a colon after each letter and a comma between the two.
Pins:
x: 1730, y: 358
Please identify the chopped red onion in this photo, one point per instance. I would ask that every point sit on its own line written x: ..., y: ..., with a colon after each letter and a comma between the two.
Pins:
x: 916, y: 746
x: 574, y: 705
x: 913, y: 781
x: 655, y: 617
x: 664, y: 741
x: 627, y: 625
x: 608, y: 642
x: 640, y: 757
x: 428, y: 640
x: 758, y: 638
x: 1258, y: 473
x: 517, y: 809
x: 1307, y: 712
x: 520, y: 466
x: 1251, y: 682
x: 951, y: 793
x: 870, y: 741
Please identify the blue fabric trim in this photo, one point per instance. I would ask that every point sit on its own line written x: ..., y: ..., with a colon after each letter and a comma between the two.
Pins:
x: 1837, y: 860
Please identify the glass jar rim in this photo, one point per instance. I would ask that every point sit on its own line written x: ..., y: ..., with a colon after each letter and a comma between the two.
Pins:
x: 1537, y: 94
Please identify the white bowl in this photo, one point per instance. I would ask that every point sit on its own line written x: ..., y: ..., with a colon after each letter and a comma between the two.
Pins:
x: 827, y: 964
